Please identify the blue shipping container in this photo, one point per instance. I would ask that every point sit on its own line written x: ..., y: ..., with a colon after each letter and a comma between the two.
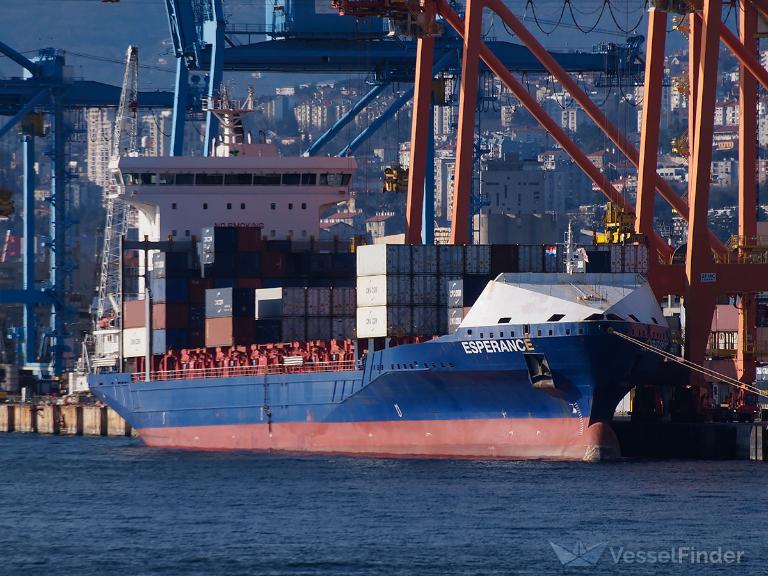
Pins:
x: 169, y: 290
x: 164, y: 340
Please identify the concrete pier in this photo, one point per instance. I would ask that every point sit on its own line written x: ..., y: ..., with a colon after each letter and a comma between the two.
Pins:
x: 7, y: 414
x: 94, y: 421
x: 692, y: 441
x: 48, y: 421
x: 116, y: 425
x: 26, y: 418
x: 70, y: 420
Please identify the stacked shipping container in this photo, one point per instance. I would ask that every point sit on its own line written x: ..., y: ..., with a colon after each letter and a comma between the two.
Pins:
x: 402, y: 291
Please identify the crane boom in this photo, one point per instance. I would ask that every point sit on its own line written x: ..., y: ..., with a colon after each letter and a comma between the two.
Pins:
x: 125, y: 141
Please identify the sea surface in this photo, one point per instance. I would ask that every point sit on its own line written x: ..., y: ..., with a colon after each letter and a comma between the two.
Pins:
x: 101, y: 506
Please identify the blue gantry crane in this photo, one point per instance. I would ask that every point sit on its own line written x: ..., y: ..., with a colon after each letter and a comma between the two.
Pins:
x: 45, y: 87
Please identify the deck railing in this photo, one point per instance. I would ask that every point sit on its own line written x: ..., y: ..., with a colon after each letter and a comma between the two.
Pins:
x: 232, y: 371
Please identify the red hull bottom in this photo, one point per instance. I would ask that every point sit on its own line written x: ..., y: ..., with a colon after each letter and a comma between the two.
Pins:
x: 547, y: 438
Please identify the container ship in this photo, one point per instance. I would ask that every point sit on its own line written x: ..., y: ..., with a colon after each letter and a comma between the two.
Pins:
x: 255, y: 336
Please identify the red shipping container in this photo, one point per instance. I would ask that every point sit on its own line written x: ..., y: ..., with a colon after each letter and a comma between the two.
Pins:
x: 228, y: 331
x: 170, y: 316
x: 134, y: 314
x: 197, y: 288
x: 273, y: 265
x: 249, y: 282
x: 249, y: 239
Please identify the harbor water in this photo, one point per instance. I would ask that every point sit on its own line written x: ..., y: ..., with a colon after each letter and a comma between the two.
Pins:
x: 105, y: 506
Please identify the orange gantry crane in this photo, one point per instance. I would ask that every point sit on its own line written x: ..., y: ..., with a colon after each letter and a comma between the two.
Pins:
x: 710, y: 269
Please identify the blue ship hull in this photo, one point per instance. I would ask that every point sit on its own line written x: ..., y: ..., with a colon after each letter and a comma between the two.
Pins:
x: 549, y: 396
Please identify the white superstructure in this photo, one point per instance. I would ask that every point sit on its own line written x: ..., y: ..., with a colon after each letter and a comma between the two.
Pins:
x: 177, y: 196
x: 532, y: 298
x: 244, y: 182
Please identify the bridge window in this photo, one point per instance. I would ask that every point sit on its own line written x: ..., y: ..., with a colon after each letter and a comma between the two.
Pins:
x: 238, y: 179
x: 242, y: 205
x: 303, y: 205
x: 205, y: 205
x: 229, y: 205
x: 309, y: 179
x: 273, y: 206
x: 291, y: 179
x: 204, y: 179
x: 335, y: 179
x: 185, y: 179
x: 266, y: 179
x: 167, y: 179
x: 173, y: 206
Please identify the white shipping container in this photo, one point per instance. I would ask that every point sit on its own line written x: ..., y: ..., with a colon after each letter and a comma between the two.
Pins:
x: 453, y: 319
x: 424, y: 291
x: 451, y: 259
x: 477, y: 259
x: 343, y: 327
x: 319, y: 328
x: 616, y: 258
x: 344, y: 301
x: 424, y: 259
x: 134, y: 342
x: 642, y: 259
x: 383, y: 290
x: 630, y: 258
x: 294, y: 301
x: 376, y: 259
x: 318, y: 301
x: 377, y: 321
x: 294, y: 328
x: 426, y: 320
x: 269, y: 303
x: 443, y: 284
